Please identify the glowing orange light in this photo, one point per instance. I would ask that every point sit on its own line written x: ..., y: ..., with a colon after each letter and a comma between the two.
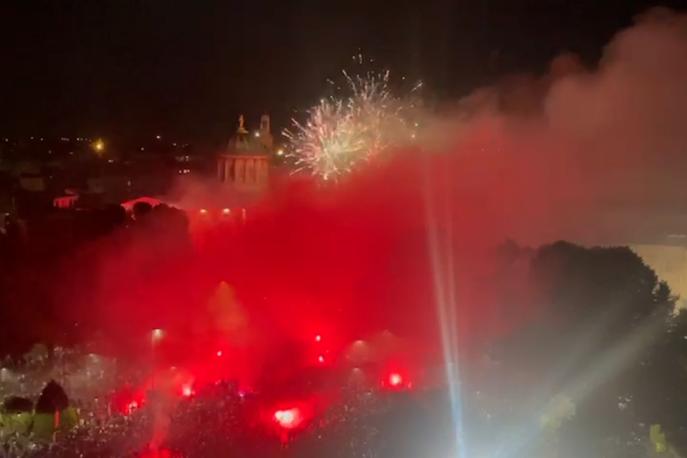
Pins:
x: 99, y: 146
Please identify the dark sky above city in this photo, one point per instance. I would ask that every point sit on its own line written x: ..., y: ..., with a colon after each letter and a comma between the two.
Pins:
x: 186, y: 69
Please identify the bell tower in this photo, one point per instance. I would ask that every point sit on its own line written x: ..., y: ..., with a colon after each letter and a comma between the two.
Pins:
x: 266, y: 138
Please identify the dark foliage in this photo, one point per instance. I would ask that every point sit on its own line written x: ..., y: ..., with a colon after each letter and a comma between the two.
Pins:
x: 17, y: 404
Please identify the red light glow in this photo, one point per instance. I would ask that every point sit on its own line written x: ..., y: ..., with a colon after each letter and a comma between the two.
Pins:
x: 157, y: 453
x: 187, y: 391
x: 127, y: 400
x: 395, y: 380
x: 219, y: 353
x: 318, y: 338
x: 320, y: 359
x: 133, y: 405
x: 288, y: 418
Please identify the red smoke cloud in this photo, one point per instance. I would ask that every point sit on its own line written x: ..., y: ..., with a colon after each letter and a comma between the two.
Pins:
x: 584, y: 155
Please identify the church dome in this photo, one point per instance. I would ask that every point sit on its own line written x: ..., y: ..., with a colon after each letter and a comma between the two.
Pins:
x: 245, y: 142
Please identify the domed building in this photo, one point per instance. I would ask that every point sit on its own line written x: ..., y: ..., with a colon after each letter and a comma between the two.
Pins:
x: 245, y: 163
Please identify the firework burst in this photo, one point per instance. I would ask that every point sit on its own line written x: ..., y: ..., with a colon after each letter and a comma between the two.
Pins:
x: 343, y: 132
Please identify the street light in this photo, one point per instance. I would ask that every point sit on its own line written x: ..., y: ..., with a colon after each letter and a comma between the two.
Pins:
x: 99, y: 145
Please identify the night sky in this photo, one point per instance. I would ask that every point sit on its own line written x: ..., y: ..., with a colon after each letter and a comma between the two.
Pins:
x: 185, y: 69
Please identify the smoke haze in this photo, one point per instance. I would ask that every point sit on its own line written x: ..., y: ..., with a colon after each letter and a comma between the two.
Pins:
x: 588, y: 155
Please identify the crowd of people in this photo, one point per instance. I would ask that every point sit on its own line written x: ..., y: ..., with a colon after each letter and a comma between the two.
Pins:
x: 591, y: 364
x: 217, y: 420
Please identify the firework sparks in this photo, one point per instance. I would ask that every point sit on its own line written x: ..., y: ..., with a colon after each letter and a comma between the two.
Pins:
x: 343, y: 132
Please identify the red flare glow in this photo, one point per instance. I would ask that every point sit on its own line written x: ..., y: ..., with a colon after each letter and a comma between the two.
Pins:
x: 158, y: 453
x: 395, y: 380
x: 187, y: 391
x: 133, y: 405
x: 288, y: 418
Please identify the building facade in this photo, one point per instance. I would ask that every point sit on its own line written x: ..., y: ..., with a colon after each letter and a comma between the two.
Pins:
x: 245, y: 163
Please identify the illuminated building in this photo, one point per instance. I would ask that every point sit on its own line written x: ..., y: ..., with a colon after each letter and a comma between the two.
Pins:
x: 245, y: 163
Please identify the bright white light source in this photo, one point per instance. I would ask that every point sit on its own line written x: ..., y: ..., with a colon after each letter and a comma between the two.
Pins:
x: 288, y: 418
x: 395, y: 380
x: 187, y: 391
x: 157, y: 335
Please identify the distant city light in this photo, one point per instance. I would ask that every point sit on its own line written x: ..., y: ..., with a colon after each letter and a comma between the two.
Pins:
x: 318, y: 338
x: 280, y: 152
x: 219, y: 353
x: 203, y: 211
x: 226, y: 211
x: 320, y: 359
x: 256, y: 134
x: 159, y: 137
x: 99, y: 145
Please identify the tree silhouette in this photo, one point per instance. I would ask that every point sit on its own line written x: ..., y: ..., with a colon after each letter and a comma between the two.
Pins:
x: 605, y: 337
